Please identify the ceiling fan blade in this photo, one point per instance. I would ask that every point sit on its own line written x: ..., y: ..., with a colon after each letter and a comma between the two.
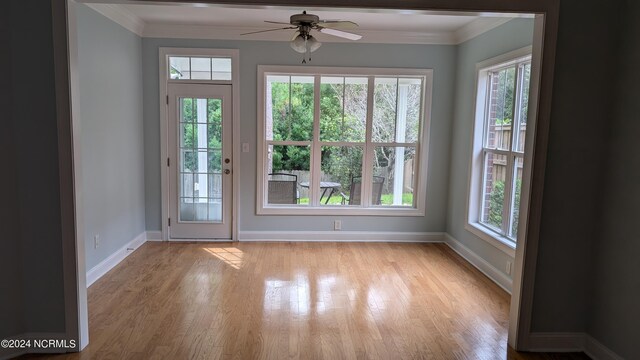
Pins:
x: 261, y: 31
x: 339, y: 33
x: 338, y: 24
x: 277, y: 22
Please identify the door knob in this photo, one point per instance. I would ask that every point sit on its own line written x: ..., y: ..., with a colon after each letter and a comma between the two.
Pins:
x: 227, y: 171
x: 226, y: 161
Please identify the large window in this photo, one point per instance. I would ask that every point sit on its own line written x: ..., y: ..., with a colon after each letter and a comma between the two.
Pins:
x: 350, y: 141
x: 501, y: 124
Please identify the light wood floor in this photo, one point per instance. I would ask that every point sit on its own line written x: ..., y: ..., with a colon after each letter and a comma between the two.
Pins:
x: 298, y: 300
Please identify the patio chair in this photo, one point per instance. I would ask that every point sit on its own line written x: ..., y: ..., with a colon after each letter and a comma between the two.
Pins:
x: 283, y: 188
x: 356, y: 187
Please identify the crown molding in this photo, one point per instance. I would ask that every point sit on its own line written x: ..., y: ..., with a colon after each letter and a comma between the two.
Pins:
x: 182, y: 31
x: 121, y: 16
x: 135, y: 24
x: 477, y: 27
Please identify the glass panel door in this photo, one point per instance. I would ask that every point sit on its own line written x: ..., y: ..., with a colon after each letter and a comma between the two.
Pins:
x: 200, y: 136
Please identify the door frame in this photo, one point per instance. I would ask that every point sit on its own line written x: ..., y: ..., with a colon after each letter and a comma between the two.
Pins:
x: 234, y: 54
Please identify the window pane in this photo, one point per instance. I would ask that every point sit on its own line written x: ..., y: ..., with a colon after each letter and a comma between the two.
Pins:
x: 200, y: 68
x: 221, y: 69
x: 343, y: 109
x: 393, y: 176
x: 523, y: 108
x: 494, y: 177
x: 179, y: 68
x: 409, y: 102
x: 340, y: 179
x: 187, y: 110
x: 500, y: 113
x: 289, y: 108
x: 200, y: 209
x: 214, y: 161
x: 384, y: 109
x: 291, y: 164
x: 214, y: 123
x: 515, y: 199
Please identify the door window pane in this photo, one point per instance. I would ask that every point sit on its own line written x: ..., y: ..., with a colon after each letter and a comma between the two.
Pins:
x: 200, y: 68
x: 341, y: 175
x: 221, y: 69
x: 200, y: 161
x: 179, y: 68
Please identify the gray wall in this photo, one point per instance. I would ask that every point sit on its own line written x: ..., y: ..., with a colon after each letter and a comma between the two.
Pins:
x: 30, y: 217
x: 616, y: 296
x: 513, y: 35
x: 253, y: 53
x: 110, y: 76
x: 11, y: 310
x: 581, y: 117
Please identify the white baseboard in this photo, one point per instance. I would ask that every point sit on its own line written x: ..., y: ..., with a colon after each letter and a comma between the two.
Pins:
x: 13, y: 353
x: 114, y: 259
x: 497, y: 276
x: 154, y: 236
x: 343, y: 236
x: 597, y: 351
x: 571, y: 342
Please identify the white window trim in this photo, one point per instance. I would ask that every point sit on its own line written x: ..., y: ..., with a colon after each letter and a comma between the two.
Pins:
x: 472, y: 223
x: 164, y: 80
x: 262, y: 208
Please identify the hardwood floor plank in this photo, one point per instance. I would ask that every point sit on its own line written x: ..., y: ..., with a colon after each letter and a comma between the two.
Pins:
x: 297, y: 301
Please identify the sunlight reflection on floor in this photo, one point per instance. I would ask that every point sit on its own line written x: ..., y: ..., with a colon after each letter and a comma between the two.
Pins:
x: 231, y: 256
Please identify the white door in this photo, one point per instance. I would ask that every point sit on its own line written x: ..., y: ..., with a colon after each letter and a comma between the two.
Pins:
x: 200, y: 180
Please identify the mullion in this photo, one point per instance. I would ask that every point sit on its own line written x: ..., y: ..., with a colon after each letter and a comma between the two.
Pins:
x: 207, y: 144
x: 508, y: 181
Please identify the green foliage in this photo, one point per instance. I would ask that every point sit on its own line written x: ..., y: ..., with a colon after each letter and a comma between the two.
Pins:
x: 190, y: 126
x: 497, y: 203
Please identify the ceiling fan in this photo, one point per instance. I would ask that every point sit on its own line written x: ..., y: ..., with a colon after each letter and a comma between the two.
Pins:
x: 302, y: 41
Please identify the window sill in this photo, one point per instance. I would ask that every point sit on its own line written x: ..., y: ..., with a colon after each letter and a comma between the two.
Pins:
x: 331, y: 210
x: 502, y: 243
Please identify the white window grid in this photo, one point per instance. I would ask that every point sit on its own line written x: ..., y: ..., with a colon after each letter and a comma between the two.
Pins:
x: 514, y: 155
x: 368, y: 145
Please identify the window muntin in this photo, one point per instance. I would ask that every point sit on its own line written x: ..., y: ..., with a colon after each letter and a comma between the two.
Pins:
x: 362, y: 126
x: 504, y: 123
x: 199, y: 68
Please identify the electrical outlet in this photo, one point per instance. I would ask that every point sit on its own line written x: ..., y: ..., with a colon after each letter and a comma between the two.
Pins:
x: 96, y: 241
x: 245, y: 147
x: 337, y: 225
x: 508, y: 267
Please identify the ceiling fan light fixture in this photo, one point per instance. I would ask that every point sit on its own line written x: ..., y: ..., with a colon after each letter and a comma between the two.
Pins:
x: 298, y: 44
x: 313, y: 43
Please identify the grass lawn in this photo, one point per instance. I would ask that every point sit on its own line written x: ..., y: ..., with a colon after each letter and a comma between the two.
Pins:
x: 386, y: 199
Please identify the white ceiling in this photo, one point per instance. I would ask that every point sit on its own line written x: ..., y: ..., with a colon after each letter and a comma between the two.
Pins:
x: 254, y: 18
x: 228, y: 22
